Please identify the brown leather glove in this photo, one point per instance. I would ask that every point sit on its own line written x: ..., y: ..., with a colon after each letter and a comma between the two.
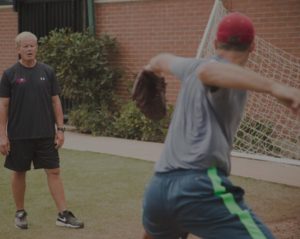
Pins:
x: 149, y: 93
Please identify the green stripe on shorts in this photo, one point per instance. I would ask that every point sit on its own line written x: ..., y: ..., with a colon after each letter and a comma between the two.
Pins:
x: 228, y: 199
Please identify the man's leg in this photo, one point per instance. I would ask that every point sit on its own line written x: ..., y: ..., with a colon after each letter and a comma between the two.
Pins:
x: 221, y: 214
x: 147, y: 236
x: 18, y: 185
x: 56, y: 188
x: 65, y: 217
x: 156, y: 219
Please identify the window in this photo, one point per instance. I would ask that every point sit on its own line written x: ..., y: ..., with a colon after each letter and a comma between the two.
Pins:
x: 42, y: 16
x: 6, y: 2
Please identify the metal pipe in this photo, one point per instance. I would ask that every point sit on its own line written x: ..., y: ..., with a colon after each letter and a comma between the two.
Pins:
x: 91, y: 16
x: 208, y: 28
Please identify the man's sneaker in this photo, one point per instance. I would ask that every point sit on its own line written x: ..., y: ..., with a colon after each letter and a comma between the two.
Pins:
x: 20, y: 219
x: 67, y: 219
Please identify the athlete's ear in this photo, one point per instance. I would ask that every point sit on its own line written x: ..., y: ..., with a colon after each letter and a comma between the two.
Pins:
x: 252, y: 47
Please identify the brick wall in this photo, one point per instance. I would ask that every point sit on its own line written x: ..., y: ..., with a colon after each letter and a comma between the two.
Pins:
x: 145, y: 28
x: 8, y: 31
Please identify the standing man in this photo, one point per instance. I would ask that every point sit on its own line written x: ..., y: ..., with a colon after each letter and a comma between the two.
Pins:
x: 30, y: 109
x: 190, y: 191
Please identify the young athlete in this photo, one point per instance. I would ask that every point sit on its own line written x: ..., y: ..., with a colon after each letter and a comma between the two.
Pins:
x: 190, y: 191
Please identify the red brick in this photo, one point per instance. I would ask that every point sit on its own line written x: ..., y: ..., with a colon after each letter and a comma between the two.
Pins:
x: 145, y: 28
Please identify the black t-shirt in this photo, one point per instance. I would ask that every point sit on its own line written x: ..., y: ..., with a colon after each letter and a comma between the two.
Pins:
x: 30, y: 90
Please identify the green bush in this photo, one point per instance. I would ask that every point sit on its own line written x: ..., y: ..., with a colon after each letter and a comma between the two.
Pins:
x: 96, y: 120
x: 132, y: 124
x: 82, y: 63
x: 83, y: 67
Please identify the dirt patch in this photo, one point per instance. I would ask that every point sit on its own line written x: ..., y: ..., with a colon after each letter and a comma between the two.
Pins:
x: 286, y: 229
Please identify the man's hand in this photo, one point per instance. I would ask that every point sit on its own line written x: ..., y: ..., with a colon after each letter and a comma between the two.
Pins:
x: 59, y: 139
x: 4, y: 145
x: 288, y: 96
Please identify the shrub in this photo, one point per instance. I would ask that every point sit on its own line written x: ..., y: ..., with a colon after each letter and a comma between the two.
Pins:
x: 82, y: 63
x: 132, y: 124
x: 96, y: 120
x: 83, y: 67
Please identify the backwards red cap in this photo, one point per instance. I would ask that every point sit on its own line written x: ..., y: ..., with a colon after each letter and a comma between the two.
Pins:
x: 235, y: 28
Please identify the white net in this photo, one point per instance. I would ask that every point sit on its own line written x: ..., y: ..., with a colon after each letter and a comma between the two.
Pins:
x: 267, y: 128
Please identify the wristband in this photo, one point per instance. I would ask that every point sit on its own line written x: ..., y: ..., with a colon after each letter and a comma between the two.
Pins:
x: 62, y: 129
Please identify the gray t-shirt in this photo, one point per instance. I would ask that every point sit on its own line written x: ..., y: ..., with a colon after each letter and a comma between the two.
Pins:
x: 204, y: 122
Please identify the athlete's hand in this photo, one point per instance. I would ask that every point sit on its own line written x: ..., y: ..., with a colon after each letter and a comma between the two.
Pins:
x: 59, y: 139
x: 147, y: 236
x: 4, y: 145
x: 288, y: 96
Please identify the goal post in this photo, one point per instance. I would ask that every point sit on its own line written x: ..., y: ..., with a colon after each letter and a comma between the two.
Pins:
x: 268, y: 130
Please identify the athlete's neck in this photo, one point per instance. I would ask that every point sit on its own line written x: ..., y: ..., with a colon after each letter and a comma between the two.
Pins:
x: 235, y: 57
x: 29, y: 64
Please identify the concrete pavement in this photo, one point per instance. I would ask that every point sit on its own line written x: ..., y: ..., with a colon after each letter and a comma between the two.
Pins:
x: 269, y: 170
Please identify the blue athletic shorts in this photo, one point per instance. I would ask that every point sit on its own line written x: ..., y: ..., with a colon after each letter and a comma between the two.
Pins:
x: 41, y: 152
x: 200, y: 202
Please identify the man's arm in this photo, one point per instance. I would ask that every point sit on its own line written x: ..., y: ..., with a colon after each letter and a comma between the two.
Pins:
x: 168, y: 64
x: 4, y: 142
x: 233, y: 76
x: 161, y: 64
x: 59, y: 119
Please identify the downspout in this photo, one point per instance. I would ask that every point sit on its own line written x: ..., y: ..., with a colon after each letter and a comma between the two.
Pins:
x: 91, y: 16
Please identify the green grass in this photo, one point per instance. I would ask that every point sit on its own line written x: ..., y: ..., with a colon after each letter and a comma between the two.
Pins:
x: 106, y: 192
x: 103, y: 190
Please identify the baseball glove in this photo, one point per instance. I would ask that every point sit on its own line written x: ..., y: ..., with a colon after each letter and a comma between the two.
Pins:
x: 149, y: 93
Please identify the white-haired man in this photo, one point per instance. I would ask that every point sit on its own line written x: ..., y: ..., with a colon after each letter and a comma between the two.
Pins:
x: 32, y: 128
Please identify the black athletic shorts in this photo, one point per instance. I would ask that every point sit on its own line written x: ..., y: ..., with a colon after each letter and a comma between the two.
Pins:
x: 41, y: 152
